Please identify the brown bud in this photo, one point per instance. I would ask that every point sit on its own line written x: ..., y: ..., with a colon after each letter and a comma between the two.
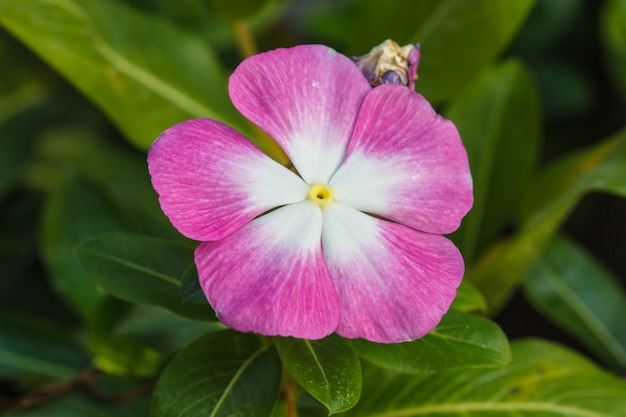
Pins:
x: 388, y: 63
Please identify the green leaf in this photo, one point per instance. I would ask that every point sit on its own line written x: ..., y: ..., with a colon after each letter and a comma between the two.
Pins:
x: 306, y: 406
x: 328, y: 369
x: 569, y: 287
x: 498, y: 119
x: 613, y: 31
x: 544, y: 380
x: 190, y: 287
x: 30, y: 345
x: 221, y: 374
x: 112, y: 352
x: 460, y: 341
x: 162, y: 330
x: 141, y: 269
x: 22, y: 86
x: 93, y: 187
x: 144, y: 73
x: 469, y: 299
x: 555, y: 193
x: 75, y: 211
x: 458, y: 38
x: 119, y: 173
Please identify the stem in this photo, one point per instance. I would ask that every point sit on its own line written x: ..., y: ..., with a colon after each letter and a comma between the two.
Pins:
x: 85, y: 382
x: 290, y: 399
x: 244, y: 38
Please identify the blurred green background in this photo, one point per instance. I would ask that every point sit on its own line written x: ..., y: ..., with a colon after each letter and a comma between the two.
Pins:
x: 561, y: 43
x: 84, y: 92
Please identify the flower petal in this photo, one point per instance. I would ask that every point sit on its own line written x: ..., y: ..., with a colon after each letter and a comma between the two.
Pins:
x: 414, y: 60
x: 211, y: 180
x: 394, y: 283
x: 406, y: 163
x: 270, y: 276
x: 306, y: 98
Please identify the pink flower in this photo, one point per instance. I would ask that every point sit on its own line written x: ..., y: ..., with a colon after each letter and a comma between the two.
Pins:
x: 352, y: 243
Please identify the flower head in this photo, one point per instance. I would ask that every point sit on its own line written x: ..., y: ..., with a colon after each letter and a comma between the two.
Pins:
x: 351, y: 243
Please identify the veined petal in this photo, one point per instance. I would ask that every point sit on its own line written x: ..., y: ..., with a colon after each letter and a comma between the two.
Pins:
x: 394, y: 283
x: 211, y: 180
x: 307, y: 98
x: 270, y: 277
x: 406, y: 163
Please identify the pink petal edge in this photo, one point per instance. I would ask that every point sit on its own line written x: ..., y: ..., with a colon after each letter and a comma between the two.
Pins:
x: 270, y: 277
x: 394, y: 283
x: 307, y: 98
x: 211, y: 180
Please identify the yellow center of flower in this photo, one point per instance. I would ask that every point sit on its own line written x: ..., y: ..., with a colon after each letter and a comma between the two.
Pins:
x: 320, y: 194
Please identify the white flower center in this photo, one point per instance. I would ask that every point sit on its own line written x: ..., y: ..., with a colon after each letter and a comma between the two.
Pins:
x: 320, y: 194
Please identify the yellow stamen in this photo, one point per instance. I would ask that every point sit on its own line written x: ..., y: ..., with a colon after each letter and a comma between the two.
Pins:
x: 320, y: 194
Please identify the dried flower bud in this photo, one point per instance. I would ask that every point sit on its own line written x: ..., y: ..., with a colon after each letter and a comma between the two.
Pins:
x: 388, y: 63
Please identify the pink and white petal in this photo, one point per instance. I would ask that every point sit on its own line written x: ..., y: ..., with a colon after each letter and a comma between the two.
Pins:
x: 211, y: 180
x: 270, y: 277
x: 406, y: 163
x: 307, y: 98
x: 394, y: 283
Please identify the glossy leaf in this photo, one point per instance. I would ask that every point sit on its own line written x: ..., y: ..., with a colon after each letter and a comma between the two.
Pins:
x: 329, y: 369
x: 141, y: 270
x: 569, y: 287
x: 469, y: 299
x: 460, y: 341
x: 498, y: 119
x: 29, y: 345
x: 190, y: 287
x: 544, y: 380
x: 222, y: 374
x: 75, y: 211
x: 93, y: 188
x: 160, y: 329
x: 555, y: 193
x: 458, y: 38
x: 613, y: 30
x: 144, y: 73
